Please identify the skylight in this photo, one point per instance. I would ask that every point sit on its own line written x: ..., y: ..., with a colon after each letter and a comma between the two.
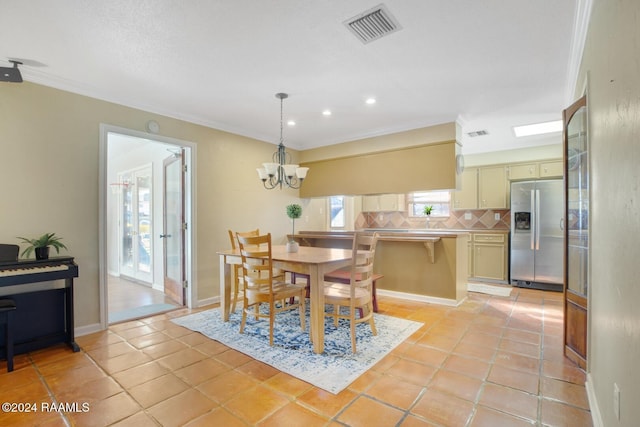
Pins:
x: 538, y: 128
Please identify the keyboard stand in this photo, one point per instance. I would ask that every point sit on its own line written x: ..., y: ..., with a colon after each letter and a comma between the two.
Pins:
x: 45, y: 313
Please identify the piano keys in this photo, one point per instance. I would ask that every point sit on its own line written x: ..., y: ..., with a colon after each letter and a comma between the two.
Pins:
x: 44, y: 313
x: 32, y: 270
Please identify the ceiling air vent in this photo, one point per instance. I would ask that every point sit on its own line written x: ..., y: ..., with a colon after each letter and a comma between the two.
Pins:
x: 372, y: 24
x: 477, y: 133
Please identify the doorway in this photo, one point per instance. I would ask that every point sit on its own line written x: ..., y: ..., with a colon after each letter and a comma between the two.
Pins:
x: 134, y: 227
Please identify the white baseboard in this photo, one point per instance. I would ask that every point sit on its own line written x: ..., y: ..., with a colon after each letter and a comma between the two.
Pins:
x: 87, y: 329
x: 596, y: 417
x: 420, y: 298
x: 207, y: 301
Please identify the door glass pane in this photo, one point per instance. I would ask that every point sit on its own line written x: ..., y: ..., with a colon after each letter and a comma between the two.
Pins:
x: 173, y: 215
x: 577, y: 203
x: 137, y: 224
x: 127, y: 222
x: 143, y: 184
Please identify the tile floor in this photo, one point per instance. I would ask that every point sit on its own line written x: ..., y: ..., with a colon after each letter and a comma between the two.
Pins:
x: 126, y: 294
x: 492, y: 361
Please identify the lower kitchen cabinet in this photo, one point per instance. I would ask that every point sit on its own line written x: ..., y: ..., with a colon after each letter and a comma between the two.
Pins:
x: 489, y: 257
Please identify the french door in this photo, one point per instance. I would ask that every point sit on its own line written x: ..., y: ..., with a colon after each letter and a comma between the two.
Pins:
x: 174, y: 227
x: 136, y: 224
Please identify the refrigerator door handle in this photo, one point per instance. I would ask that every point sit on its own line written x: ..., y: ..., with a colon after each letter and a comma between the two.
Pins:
x: 532, y: 221
x: 537, y: 220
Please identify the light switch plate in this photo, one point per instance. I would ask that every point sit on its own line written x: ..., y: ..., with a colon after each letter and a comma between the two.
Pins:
x: 467, y: 216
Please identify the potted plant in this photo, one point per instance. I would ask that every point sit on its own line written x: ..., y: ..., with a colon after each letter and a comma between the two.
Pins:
x: 41, y: 245
x: 294, y: 212
x: 427, y: 212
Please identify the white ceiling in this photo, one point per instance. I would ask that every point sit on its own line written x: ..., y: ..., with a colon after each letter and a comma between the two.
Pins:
x: 488, y: 64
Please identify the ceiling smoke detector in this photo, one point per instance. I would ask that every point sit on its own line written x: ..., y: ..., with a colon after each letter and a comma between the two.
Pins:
x: 372, y: 24
x: 477, y: 133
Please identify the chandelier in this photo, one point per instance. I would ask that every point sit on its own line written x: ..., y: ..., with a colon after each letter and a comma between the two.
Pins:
x: 280, y: 172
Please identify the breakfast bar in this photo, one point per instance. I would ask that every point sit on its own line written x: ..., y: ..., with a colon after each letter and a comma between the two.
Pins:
x: 425, y: 265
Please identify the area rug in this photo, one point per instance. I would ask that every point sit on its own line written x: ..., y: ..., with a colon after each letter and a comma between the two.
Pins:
x: 138, y: 312
x: 501, y: 291
x: 292, y: 351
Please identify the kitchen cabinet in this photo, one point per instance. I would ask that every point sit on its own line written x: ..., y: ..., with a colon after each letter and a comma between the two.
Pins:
x: 470, y: 255
x: 535, y: 170
x: 482, y: 188
x: 383, y: 203
x: 492, y: 187
x: 467, y: 196
x: 487, y: 187
x: 524, y: 171
x: 551, y: 169
x: 489, y: 257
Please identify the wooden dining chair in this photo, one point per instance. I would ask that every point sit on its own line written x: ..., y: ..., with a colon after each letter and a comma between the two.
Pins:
x: 238, y: 283
x: 260, y: 285
x: 357, y: 295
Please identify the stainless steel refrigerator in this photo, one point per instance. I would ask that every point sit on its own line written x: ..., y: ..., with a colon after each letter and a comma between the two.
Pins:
x: 537, y: 236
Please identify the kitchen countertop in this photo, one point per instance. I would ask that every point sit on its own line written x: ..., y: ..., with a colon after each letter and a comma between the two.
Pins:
x: 444, y: 232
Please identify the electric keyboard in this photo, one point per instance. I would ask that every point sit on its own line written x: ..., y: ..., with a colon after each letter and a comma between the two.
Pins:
x: 32, y: 271
x: 44, y: 312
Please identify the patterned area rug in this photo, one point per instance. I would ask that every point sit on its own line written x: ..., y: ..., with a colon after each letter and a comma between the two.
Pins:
x: 292, y: 351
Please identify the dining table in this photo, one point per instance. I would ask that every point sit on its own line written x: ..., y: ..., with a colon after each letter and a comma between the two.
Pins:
x: 312, y: 261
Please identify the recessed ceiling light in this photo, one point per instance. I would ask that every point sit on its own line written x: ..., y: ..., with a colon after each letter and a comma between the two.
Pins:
x: 538, y: 128
x: 326, y: 113
x: 291, y: 123
x: 370, y: 101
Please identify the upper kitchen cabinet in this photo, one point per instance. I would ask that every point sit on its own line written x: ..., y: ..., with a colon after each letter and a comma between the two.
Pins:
x: 551, y: 169
x: 467, y: 196
x: 492, y: 187
x: 383, y: 203
x: 524, y: 171
x: 482, y: 188
x: 535, y: 170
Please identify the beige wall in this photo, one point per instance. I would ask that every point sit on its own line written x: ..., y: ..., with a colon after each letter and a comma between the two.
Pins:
x: 49, y: 174
x: 427, y: 167
x: 411, y: 138
x: 612, y: 67
x: 544, y: 152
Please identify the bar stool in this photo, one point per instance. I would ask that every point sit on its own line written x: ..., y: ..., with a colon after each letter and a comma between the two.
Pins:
x: 7, y: 307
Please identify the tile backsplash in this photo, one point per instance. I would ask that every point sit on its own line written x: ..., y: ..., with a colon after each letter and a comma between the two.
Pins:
x: 474, y: 219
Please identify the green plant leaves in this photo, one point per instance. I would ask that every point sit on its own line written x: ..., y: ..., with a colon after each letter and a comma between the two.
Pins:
x: 294, y: 211
x: 47, y: 239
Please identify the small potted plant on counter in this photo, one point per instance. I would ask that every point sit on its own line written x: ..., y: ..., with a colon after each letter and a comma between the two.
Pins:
x: 427, y: 212
x: 41, y: 245
x: 294, y: 212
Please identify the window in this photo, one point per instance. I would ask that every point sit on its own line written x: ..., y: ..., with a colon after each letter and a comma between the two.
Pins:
x: 440, y: 200
x: 336, y: 205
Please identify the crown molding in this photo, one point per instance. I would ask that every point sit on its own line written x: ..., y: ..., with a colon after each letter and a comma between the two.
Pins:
x: 578, y: 40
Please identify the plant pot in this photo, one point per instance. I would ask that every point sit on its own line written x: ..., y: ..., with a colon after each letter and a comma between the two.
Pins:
x: 42, y: 253
x: 292, y: 246
x: 428, y: 224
